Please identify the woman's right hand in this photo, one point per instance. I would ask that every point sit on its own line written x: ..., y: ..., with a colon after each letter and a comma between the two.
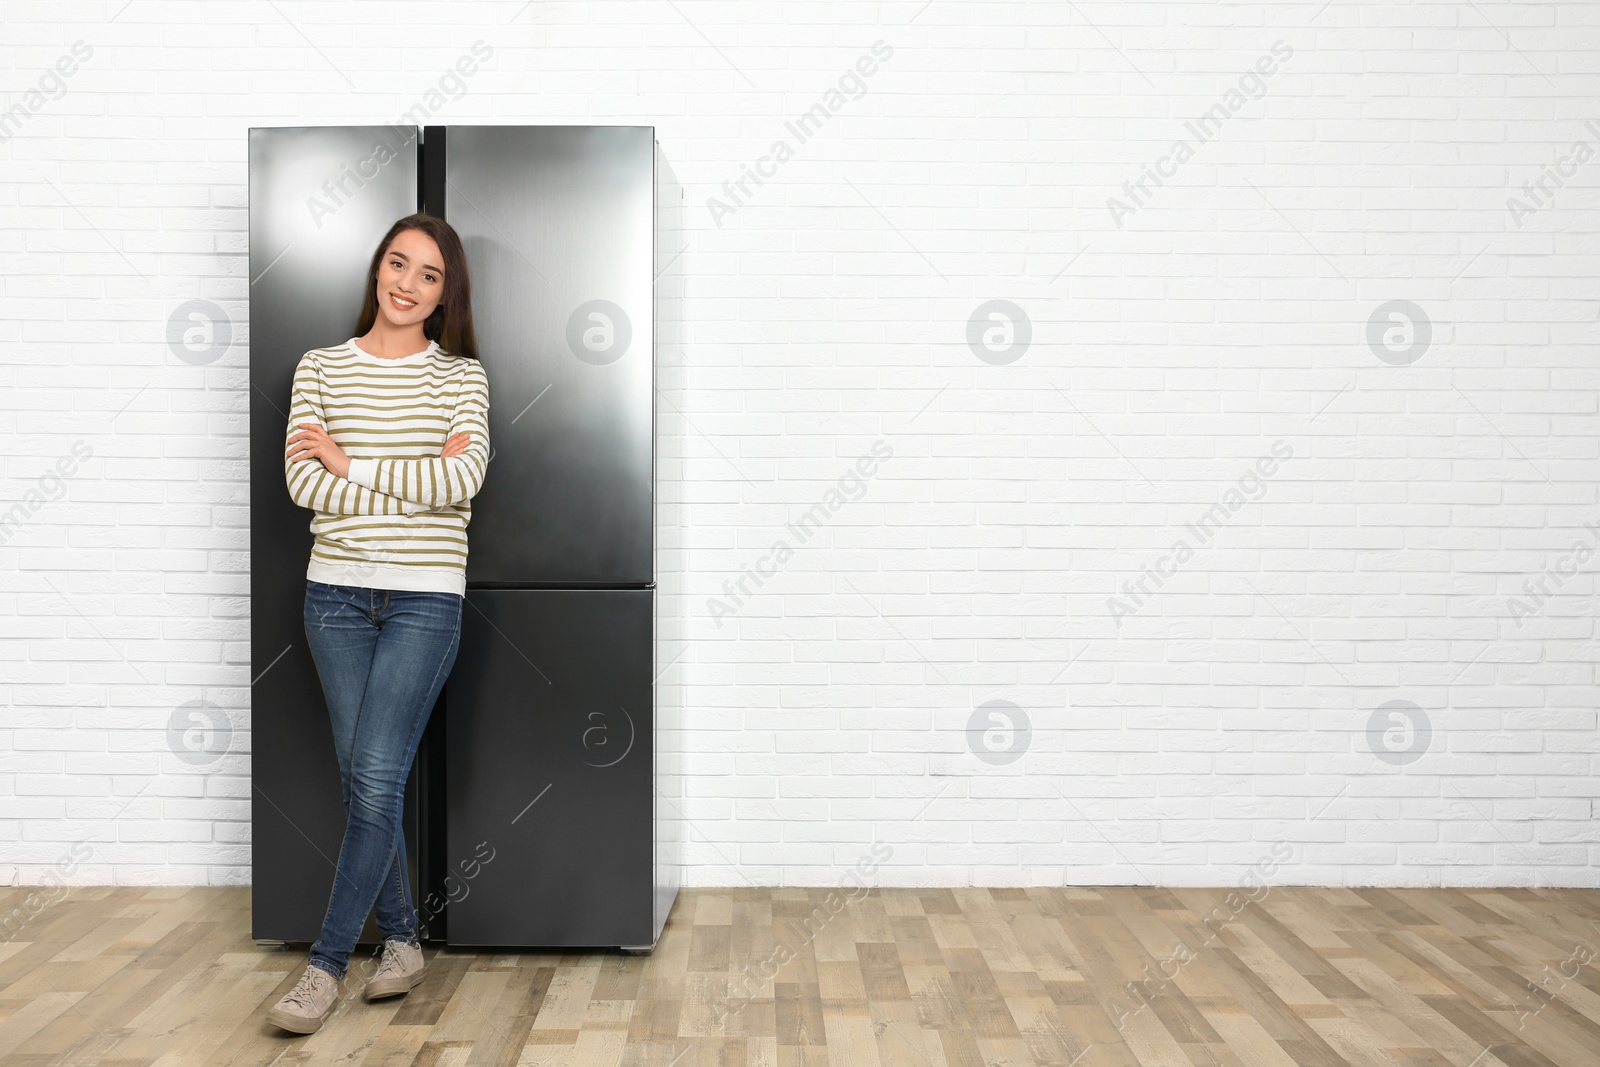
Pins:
x: 456, y: 445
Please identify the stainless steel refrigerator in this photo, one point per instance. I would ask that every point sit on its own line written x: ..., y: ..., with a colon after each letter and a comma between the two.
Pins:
x: 543, y: 809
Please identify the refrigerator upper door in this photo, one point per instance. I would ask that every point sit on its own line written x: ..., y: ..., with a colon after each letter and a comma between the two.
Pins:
x: 559, y: 228
x: 320, y: 200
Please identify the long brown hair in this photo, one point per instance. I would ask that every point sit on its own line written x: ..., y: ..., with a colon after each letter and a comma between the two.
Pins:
x: 450, y: 323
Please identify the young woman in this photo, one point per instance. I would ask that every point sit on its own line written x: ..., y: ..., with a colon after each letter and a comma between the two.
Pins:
x: 388, y: 442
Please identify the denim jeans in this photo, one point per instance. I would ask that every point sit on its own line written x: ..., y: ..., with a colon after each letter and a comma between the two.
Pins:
x: 383, y: 656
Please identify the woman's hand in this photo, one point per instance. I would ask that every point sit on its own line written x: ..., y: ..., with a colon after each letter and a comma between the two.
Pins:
x: 456, y: 445
x: 313, y: 442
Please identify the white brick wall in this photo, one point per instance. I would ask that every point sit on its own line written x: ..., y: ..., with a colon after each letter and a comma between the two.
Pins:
x: 1213, y: 730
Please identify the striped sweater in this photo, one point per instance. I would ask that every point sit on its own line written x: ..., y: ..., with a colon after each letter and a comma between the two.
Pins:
x: 400, y: 520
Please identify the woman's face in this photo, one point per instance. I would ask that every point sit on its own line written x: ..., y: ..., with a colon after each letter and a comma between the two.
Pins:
x: 410, y: 278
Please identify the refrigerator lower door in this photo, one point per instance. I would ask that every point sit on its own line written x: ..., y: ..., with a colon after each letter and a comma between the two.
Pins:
x: 549, y: 771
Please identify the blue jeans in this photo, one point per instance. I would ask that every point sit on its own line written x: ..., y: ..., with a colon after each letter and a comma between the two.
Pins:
x: 382, y: 656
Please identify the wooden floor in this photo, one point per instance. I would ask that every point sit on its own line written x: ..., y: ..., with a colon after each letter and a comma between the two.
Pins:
x: 905, y: 977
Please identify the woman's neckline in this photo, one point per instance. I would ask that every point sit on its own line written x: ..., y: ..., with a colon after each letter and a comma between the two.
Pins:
x: 432, y: 345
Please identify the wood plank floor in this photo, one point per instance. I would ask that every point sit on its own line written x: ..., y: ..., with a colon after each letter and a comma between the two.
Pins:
x: 810, y: 978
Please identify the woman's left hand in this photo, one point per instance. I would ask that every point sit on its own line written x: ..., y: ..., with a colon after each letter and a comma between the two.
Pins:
x: 313, y: 442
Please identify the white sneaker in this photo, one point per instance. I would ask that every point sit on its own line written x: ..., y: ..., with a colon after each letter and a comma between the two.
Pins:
x: 303, y: 1008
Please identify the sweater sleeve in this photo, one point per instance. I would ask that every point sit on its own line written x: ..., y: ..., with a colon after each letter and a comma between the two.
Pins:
x: 440, y: 482
x: 311, y: 485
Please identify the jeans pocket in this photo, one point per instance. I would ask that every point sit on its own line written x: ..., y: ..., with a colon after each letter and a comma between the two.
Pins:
x: 323, y: 600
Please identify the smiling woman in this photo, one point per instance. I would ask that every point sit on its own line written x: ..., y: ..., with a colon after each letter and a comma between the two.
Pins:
x: 394, y: 422
x: 388, y: 442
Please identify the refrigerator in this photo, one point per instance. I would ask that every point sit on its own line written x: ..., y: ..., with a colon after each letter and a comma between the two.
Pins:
x: 544, y: 807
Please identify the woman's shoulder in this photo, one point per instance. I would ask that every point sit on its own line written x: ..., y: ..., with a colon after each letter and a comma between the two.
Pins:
x: 328, y: 353
x: 464, y: 369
